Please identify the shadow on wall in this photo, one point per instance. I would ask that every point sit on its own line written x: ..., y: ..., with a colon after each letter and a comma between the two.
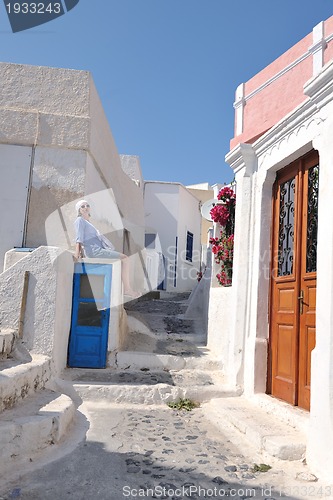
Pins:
x: 52, y: 201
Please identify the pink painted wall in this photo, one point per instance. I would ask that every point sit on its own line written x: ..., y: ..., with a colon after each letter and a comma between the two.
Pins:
x: 277, y: 99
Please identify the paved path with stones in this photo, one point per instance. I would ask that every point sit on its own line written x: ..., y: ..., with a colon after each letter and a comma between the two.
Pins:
x: 132, y: 451
x: 155, y: 452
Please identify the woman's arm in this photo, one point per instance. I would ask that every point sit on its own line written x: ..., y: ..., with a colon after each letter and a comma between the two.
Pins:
x: 78, y: 251
x: 79, y: 229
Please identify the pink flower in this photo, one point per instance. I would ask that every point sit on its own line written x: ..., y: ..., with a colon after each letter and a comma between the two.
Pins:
x: 227, y: 194
x: 220, y: 214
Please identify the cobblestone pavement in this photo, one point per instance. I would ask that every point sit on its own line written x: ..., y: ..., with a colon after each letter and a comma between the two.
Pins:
x: 119, y: 451
x: 158, y: 452
x: 172, y: 332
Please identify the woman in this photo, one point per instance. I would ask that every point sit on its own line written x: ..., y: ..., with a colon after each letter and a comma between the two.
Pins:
x: 91, y: 243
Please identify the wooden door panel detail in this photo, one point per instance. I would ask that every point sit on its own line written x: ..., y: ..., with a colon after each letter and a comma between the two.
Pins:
x: 307, y: 343
x: 284, y: 360
x: 286, y: 300
x: 293, y: 283
x: 284, y: 363
x: 312, y: 299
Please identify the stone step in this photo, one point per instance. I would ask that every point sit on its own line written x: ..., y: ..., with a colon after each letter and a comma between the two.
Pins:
x: 150, y: 395
x: 160, y: 323
x: 135, y: 360
x: 294, y: 416
x: 18, y: 380
x: 147, y: 387
x: 35, y: 424
x: 174, y: 296
x: 263, y: 430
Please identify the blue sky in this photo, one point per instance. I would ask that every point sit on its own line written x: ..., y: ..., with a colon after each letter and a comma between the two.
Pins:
x: 167, y: 70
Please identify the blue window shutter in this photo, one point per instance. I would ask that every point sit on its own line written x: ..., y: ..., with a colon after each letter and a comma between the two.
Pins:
x: 189, y: 246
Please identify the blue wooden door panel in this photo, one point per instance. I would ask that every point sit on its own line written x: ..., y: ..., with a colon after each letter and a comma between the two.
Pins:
x: 89, y: 352
x: 90, y: 316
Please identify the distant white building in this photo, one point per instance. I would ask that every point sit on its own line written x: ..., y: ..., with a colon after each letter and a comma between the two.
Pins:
x: 203, y: 192
x: 172, y: 235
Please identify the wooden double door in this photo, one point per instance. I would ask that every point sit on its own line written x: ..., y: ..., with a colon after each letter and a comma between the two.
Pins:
x: 293, y: 281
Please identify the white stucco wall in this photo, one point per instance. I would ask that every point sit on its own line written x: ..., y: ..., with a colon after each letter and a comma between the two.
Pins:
x: 131, y: 166
x: 203, y: 192
x: 68, y: 96
x: 189, y: 219
x: 63, y: 142
x: 58, y: 176
x: 73, y: 156
x: 106, y: 159
x: 15, y: 164
x: 46, y: 321
x: 308, y: 127
x: 47, y: 317
x: 161, y: 213
x: 218, y: 336
x: 118, y: 318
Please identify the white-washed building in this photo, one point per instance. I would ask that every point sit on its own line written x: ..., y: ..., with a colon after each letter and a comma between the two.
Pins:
x: 56, y: 147
x: 173, y: 235
x: 277, y: 335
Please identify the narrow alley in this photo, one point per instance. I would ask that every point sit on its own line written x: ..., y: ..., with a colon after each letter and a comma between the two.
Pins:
x: 131, y: 439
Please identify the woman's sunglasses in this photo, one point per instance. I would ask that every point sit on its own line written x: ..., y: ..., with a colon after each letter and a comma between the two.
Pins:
x: 85, y: 206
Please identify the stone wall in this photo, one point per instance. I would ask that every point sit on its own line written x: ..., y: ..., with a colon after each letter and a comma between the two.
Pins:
x: 48, y: 302
x: 71, y: 155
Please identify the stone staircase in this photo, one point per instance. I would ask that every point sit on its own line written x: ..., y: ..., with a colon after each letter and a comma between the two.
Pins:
x: 165, y: 359
x: 32, y: 417
x: 147, y: 387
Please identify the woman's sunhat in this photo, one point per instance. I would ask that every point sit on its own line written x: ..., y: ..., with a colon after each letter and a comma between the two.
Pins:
x: 80, y: 203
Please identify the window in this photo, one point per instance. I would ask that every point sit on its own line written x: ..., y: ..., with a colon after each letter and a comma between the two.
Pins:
x: 189, y: 246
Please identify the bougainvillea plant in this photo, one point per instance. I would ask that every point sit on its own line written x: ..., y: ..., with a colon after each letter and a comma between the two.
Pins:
x: 223, y: 246
x: 223, y: 250
x: 224, y: 213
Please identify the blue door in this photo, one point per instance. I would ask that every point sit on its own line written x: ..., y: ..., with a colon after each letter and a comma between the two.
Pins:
x: 88, y: 340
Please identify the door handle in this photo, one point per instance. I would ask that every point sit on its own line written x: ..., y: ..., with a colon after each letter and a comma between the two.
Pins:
x: 300, y: 298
